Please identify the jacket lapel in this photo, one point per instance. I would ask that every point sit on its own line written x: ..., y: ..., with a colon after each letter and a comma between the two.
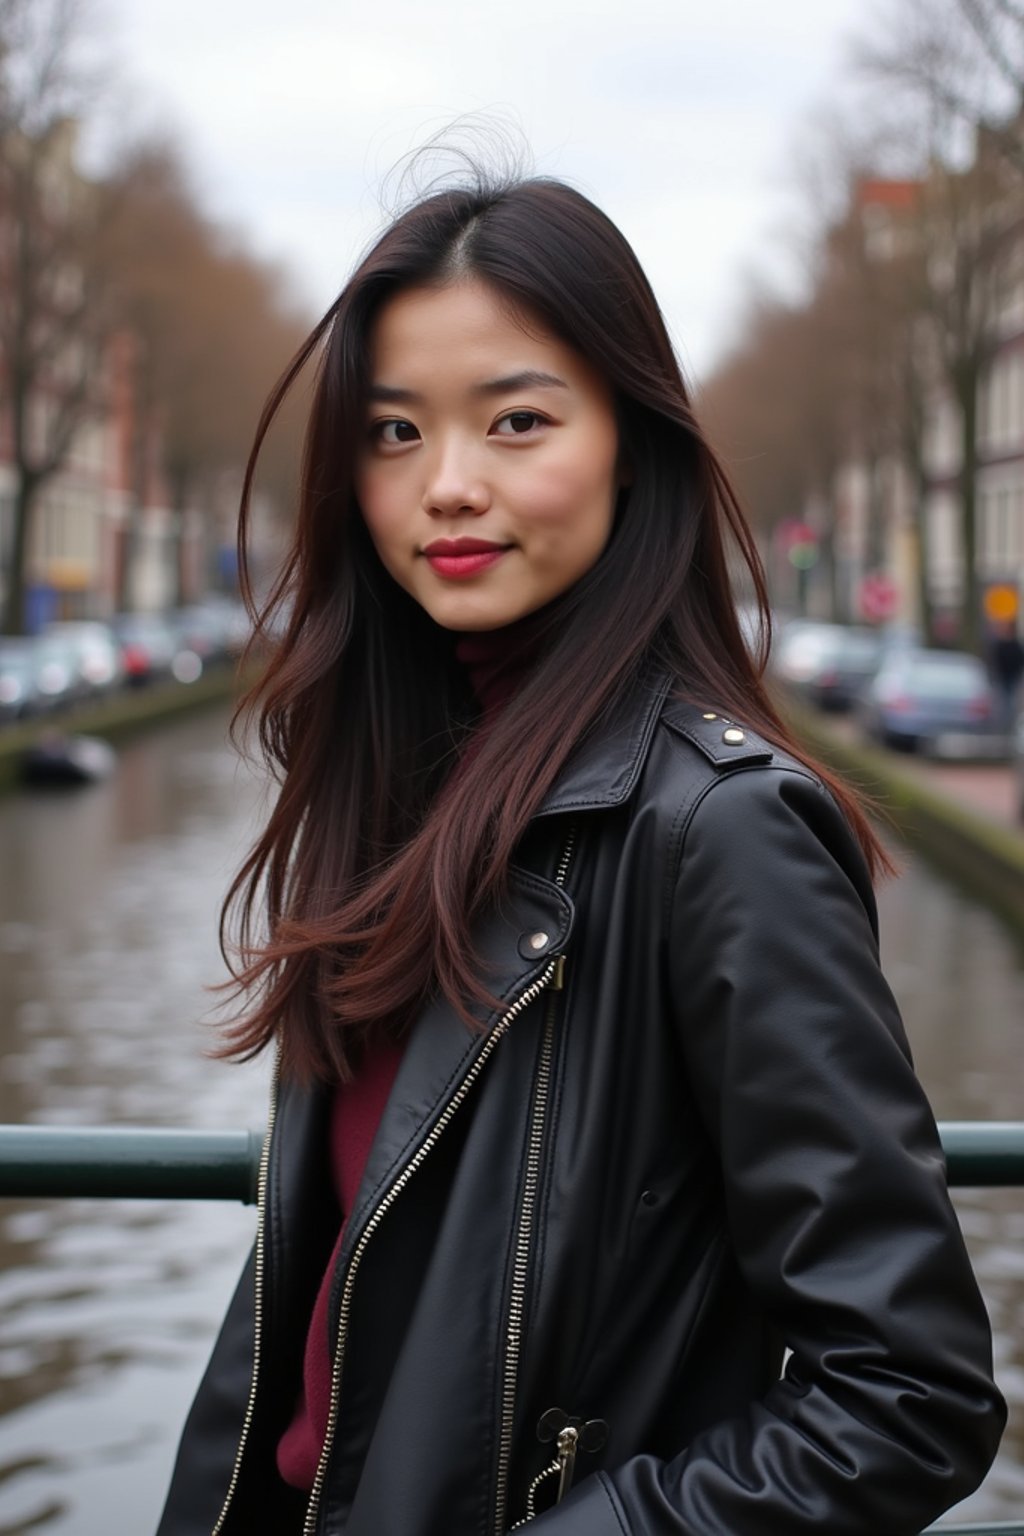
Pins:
x: 604, y: 770
x: 441, y: 1050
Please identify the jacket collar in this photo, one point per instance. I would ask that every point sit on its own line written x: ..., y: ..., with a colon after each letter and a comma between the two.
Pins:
x: 604, y: 769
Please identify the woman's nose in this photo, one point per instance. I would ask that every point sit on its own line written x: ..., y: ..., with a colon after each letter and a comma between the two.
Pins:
x: 454, y: 483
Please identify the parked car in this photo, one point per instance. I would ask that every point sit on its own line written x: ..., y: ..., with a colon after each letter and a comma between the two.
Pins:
x: 828, y: 664
x: 19, y: 692
x: 206, y: 630
x: 940, y: 702
x: 148, y: 645
x: 57, y: 678
x: 97, y: 658
x: 231, y: 614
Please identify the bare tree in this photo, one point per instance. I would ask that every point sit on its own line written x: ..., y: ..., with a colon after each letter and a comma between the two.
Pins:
x: 774, y: 408
x: 54, y: 301
x: 961, y: 62
x: 211, y: 329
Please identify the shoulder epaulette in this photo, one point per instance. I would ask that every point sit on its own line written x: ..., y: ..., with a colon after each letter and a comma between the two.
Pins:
x: 723, y: 741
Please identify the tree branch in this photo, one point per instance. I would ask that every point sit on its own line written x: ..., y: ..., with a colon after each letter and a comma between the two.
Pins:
x: 980, y: 18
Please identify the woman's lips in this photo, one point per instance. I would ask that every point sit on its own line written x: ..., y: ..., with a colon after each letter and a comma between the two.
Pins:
x: 456, y: 559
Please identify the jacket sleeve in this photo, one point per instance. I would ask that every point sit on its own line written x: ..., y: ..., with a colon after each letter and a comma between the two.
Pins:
x: 835, y: 1195
x: 212, y: 1431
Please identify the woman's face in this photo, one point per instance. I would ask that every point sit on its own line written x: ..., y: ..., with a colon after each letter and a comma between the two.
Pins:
x: 488, y: 473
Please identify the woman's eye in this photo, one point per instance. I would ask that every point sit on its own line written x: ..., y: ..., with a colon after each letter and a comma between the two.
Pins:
x: 518, y: 423
x: 392, y: 433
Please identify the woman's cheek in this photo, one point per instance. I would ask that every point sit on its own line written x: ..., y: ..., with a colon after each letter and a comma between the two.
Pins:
x: 573, y: 507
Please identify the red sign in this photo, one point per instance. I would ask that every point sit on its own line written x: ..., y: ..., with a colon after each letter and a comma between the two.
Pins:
x: 878, y: 596
x: 792, y: 531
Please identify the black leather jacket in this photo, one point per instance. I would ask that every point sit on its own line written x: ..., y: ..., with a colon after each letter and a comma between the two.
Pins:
x: 692, y: 1144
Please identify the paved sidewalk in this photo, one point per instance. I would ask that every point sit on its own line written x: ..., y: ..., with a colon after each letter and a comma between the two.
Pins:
x: 990, y: 788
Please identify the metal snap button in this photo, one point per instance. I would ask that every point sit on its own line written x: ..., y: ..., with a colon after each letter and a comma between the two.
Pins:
x: 733, y: 737
x: 538, y: 941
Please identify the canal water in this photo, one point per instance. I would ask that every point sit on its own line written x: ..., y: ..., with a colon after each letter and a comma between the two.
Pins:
x: 108, y: 909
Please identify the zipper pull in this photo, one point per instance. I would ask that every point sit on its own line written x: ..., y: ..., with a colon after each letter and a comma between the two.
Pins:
x: 557, y: 981
x: 566, y: 1448
x: 570, y: 1435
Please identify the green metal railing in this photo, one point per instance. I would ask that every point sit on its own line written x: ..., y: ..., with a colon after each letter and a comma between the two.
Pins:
x: 126, y: 1163
x: 122, y: 1162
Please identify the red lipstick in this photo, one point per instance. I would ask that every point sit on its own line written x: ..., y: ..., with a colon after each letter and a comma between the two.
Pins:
x: 458, y: 558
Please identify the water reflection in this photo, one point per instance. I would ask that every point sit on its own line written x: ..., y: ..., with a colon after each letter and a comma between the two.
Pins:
x: 959, y: 976
x: 108, y: 909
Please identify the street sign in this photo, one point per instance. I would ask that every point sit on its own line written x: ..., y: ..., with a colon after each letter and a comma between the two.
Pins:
x: 878, y: 597
x: 800, y: 542
x: 1001, y: 602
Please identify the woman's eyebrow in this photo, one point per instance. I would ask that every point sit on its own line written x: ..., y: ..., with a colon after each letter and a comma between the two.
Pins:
x: 528, y: 378
x: 387, y: 394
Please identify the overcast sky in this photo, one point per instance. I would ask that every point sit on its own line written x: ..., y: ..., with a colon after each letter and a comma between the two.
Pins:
x: 678, y: 116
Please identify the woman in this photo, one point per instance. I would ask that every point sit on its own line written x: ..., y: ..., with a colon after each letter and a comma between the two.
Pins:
x: 592, y: 1106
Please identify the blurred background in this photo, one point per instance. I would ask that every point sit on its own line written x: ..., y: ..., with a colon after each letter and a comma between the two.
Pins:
x: 828, y: 196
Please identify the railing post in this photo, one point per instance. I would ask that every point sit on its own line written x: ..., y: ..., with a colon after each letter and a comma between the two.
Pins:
x: 121, y: 1163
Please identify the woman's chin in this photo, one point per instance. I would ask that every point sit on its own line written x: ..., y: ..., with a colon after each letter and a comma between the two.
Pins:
x: 465, y: 615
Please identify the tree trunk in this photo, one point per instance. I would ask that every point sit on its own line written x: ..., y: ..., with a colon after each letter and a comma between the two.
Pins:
x: 138, y: 495
x: 912, y: 411
x: 827, y: 542
x: 181, y: 486
x: 970, y: 616
x: 126, y: 565
x: 178, y: 557
x: 15, y: 618
x: 874, y: 541
x: 926, y: 616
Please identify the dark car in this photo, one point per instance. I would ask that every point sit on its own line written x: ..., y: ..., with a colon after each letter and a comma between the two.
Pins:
x: 828, y: 664
x: 939, y: 702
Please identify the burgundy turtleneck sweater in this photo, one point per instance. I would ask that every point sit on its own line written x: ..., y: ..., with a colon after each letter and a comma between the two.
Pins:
x: 496, y: 661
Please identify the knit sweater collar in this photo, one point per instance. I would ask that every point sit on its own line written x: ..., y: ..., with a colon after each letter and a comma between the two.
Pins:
x: 497, y: 660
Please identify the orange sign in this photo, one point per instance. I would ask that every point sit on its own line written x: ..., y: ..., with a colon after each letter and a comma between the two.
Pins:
x: 1001, y: 603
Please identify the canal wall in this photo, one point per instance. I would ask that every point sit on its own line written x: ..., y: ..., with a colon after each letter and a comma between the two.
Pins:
x: 118, y: 716
x: 984, y: 855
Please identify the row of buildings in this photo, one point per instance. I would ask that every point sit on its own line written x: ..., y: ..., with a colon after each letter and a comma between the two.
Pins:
x: 96, y: 544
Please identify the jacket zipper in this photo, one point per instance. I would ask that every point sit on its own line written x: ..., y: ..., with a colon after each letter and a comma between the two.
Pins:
x: 521, y: 1262
x: 552, y: 973
x: 524, y: 1234
x: 258, y: 1268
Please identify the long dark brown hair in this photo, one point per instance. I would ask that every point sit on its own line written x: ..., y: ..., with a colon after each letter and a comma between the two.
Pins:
x: 356, y: 902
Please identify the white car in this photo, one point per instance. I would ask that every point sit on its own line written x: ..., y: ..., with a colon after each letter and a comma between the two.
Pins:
x: 96, y: 653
